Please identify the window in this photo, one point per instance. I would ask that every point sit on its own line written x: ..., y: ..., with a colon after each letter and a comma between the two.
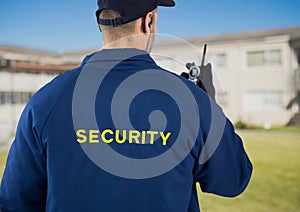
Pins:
x: 262, y: 100
x: 264, y: 58
x: 219, y: 60
x: 14, y: 97
x: 255, y: 58
x: 4, y: 97
x: 274, y: 57
x: 25, y: 96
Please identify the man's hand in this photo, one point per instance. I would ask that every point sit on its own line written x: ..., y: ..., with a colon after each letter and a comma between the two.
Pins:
x: 205, y: 80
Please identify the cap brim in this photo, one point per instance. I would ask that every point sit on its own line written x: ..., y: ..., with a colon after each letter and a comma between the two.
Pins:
x: 166, y: 3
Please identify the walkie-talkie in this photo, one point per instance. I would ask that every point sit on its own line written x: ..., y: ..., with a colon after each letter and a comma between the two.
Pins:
x: 194, y: 70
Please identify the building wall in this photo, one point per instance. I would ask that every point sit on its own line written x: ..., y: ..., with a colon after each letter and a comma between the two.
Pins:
x: 266, y: 90
x: 15, y: 90
x: 256, y: 94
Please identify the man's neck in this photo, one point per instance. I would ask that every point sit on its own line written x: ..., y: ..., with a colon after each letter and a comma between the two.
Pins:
x: 136, y: 42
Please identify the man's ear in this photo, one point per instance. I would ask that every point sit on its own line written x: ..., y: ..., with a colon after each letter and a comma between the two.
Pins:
x: 150, y: 23
x: 147, y: 21
x: 99, y: 27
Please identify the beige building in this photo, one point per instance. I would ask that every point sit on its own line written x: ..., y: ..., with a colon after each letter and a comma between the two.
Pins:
x: 256, y: 74
x: 22, y: 73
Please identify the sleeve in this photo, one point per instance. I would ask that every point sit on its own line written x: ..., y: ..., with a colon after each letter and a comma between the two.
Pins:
x: 24, y: 183
x: 226, y: 171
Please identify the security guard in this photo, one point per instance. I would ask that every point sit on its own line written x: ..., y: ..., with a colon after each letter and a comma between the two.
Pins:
x: 119, y: 133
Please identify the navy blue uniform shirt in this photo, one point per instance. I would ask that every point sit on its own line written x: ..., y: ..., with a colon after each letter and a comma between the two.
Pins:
x: 119, y: 133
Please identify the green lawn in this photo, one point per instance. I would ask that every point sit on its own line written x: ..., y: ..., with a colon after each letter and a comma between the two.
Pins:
x: 275, y: 183
x: 3, y: 156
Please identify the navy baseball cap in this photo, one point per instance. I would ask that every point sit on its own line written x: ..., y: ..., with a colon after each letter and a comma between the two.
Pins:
x: 129, y: 10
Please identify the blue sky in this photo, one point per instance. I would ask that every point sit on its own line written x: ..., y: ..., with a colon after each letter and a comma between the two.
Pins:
x: 62, y: 25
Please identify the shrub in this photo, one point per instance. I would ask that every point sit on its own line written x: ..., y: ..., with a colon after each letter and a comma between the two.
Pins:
x: 241, y: 125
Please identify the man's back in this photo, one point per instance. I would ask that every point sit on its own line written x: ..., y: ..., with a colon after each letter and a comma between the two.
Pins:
x: 145, y: 159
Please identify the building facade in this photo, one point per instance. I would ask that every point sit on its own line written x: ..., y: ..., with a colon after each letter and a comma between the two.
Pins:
x: 256, y: 74
x: 22, y: 73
